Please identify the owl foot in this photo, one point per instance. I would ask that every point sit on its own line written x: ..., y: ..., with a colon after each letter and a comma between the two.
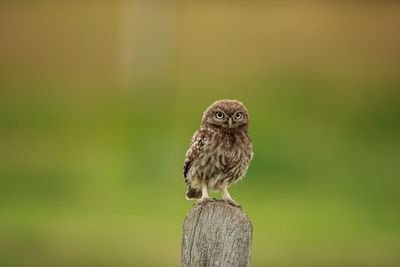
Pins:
x: 233, y: 203
x: 204, y: 200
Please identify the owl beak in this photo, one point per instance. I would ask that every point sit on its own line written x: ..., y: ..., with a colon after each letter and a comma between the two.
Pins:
x: 230, y: 123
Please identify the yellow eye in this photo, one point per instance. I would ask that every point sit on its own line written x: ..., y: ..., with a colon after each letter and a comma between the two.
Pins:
x: 219, y: 115
x: 238, y: 115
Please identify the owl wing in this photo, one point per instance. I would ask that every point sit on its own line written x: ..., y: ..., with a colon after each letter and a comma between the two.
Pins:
x: 197, y: 143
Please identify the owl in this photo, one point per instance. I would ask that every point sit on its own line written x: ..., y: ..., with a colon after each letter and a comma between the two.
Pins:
x: 220, y: 151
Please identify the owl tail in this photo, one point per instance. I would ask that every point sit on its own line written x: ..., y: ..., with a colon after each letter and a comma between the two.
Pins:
x: 193, y: 193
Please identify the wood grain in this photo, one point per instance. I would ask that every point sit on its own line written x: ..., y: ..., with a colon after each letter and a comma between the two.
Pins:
x: 216, y: 233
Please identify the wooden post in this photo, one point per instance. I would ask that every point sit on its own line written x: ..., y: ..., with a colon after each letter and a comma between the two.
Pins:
x: 216, y: 233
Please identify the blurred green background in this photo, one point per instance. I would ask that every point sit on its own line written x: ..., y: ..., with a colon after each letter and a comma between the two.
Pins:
x: 99, y: 100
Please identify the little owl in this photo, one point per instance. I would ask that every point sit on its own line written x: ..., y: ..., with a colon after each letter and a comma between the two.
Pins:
x: 220, y: 151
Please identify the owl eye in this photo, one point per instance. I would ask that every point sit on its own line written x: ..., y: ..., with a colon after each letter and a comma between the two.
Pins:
x: 219, y: 115
x: 238, y: 115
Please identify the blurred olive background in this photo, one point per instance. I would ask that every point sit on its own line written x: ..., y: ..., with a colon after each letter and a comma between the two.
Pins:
x: 99, y: 100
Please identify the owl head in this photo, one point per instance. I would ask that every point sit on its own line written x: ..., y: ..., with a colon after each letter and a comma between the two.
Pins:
x: 229, y: 115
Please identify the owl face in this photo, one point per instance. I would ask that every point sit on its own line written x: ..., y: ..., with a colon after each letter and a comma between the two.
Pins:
x: 226, y: 114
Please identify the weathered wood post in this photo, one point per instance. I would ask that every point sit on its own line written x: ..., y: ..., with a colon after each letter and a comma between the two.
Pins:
x: 216, y: 233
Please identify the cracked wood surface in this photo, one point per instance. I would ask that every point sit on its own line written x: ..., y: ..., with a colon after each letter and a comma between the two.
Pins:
x: 216, y: 234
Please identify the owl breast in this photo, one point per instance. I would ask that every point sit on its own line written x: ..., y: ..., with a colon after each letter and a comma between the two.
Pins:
x: 221, y: 162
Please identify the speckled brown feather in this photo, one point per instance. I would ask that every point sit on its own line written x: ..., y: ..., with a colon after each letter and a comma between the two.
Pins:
x: 198, y: 141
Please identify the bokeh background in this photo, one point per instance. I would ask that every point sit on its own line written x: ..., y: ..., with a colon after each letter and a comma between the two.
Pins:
x: 99, y: 100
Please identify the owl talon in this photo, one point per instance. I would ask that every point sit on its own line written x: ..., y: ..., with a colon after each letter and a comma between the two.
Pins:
x: 204, y: 201
x: 233, y: 203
